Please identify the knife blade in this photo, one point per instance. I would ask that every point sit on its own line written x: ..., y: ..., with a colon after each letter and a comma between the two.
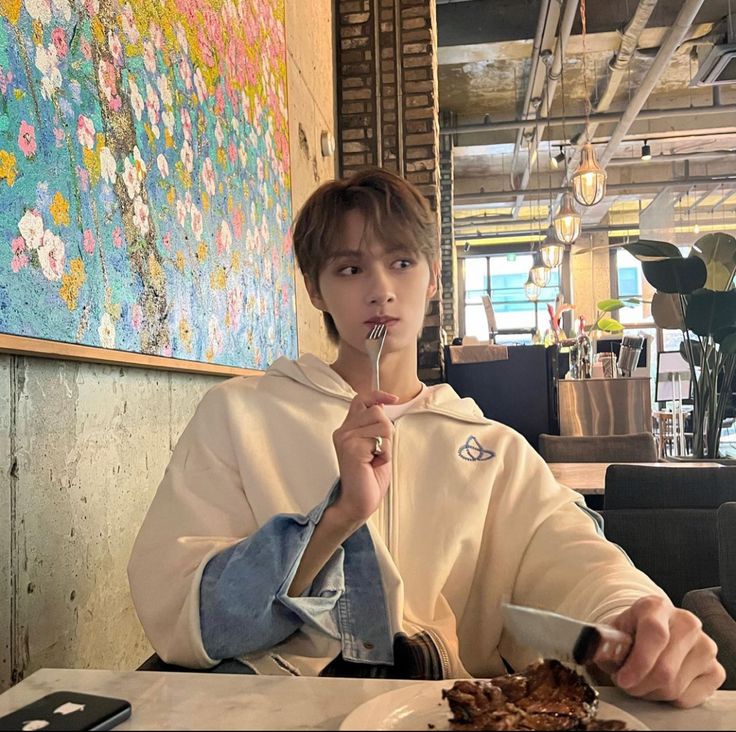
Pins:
x: 566, y: 639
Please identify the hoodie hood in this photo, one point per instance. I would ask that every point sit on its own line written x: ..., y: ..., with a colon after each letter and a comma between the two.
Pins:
x: 313, y: 373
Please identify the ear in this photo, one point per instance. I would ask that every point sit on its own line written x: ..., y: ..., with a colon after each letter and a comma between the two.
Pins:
x: 314, y: 295
x: 434, y: 276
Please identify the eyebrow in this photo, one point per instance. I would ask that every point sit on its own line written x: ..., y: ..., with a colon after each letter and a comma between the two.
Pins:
x: 340, y: 253
x: 359, y: 253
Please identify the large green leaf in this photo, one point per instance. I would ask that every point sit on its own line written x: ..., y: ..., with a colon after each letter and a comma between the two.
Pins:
x: 709, y: 312
x: 673, y: 275
x: 608, y: 306
x: 718, y: 251
x: 666, y: 311
x: 724, y: 333
x: 728, y: 344
x: 610, y: 325
x: 648, y: 250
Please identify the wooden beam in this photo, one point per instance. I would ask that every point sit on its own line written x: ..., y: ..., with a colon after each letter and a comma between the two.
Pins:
x: 20, y: 345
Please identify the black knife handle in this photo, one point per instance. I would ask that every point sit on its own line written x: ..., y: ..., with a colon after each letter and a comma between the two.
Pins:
x: 606, y: 647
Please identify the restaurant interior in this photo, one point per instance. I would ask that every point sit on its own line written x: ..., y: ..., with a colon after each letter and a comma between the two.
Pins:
x: 580, y: 158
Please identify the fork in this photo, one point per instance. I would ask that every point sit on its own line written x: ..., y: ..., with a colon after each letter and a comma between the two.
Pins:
x: 374, y: 344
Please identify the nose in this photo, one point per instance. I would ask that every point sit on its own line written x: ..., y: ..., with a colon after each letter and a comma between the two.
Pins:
x: 380, y: 290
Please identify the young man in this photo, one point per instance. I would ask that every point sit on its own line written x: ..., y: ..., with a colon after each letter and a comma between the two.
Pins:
x: 278, y: 538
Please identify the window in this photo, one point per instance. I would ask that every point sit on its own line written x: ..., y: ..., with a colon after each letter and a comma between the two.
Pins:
x: 502, y: 278
x: 630, y: 281
x: 630, y: 284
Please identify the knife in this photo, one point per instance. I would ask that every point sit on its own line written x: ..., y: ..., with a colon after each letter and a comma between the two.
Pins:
x: 568, y: 640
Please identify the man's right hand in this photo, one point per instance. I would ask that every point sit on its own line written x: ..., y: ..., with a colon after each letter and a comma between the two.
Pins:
x: 364, y: 477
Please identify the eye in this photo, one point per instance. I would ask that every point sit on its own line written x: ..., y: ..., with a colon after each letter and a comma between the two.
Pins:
x: 348, y: 271
x: 403, y: 263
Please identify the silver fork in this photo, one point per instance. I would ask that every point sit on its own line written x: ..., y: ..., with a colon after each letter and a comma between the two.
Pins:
x: 374, y: 344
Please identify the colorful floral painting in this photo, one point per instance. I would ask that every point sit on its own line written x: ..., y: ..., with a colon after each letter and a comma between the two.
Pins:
x: 144, y: 177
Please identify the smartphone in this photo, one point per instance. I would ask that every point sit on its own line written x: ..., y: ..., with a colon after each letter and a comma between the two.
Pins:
x: 68, y: 710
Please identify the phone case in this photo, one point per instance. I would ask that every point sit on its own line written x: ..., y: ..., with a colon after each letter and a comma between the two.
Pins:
x: 68, y: 710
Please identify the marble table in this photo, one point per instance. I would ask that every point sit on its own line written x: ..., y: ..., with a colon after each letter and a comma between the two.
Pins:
x: 590, y: 478
x: 193, y: 701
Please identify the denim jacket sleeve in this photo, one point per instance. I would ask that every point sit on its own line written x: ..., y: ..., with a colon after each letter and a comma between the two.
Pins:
x: 244, y: 605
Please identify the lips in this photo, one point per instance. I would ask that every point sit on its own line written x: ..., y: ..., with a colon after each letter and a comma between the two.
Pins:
x: 382, y: 320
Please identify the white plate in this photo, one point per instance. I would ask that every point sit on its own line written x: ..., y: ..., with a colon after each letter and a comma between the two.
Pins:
x: 417, y: 706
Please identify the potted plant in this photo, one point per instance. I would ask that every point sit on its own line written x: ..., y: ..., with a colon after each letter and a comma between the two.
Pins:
x: 696, y: 295
x: 604, y: 321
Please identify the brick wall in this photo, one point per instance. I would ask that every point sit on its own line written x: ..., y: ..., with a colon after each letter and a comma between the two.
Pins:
x: 388, y: 110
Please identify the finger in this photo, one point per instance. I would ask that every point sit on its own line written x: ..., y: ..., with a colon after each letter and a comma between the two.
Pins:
x: 357, y: 406
x: 360, y: 444
x: 702, y: 688
x: 379, y: 397
x: 383, y: 397
x: 369, y: 416
x: 687, y: 653
x: 651, y: 636
x: 700, y: 661
x: 384, y: 456
x: 377, y: 429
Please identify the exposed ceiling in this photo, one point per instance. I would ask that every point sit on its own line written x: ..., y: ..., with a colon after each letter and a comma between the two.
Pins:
x: 487, y: 57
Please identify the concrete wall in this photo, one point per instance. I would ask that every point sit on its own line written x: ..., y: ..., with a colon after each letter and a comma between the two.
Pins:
x: 310, y: 70
x: 84, y: 445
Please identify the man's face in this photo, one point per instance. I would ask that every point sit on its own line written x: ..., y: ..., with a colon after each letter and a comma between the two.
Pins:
x: 374, y: 282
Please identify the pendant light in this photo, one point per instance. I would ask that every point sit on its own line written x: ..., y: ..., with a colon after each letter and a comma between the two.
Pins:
x: 589, y: 180
x: 551, y: 250
x: 531, y: 289
x: 567, y: 220
x: 539, y: 273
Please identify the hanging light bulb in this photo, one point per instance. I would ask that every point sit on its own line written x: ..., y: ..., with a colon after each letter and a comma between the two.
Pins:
x: 551, y: 250
x: 531, y: 290
x: 646, y: 151
x: 589, y: 181
x: 567, y: 220
x: 539, y: 273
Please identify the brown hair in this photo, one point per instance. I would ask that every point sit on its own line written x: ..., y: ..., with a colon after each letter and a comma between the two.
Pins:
x: 394, y: 211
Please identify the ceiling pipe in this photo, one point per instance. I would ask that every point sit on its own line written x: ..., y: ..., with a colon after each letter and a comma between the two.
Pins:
x: 613, y: 229
x: 548, y: 95
x: 481, y: 198
x: 627, y: 48
x: 672, y: 40
x: 603, y: 118
x: 482, y: 220
x: 673, y: 158
x: 549, y: 15
x: 621, y: 60
x: 542, y: 234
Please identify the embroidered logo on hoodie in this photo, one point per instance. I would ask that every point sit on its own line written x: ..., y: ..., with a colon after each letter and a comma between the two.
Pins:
x: 473, y: 451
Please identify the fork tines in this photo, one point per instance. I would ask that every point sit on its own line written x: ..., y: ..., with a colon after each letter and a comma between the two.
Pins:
x: 377, y: 331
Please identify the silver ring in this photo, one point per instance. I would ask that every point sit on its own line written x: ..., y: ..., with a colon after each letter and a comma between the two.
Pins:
x: 377, y: 449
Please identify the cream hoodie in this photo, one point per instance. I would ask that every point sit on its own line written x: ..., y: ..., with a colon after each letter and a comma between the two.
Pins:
x: 473, y: 517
